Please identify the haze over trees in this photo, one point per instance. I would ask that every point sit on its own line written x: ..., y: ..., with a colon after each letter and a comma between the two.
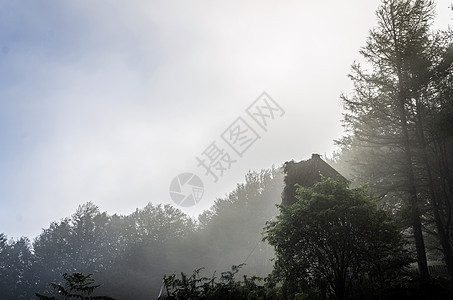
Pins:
x: 129, y: 255
x: 399, y: 118
x: 330, y: 239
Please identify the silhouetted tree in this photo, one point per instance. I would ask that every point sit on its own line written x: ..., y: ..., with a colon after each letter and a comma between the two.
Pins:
x: 390, y: 108
x: 76, y: 286
x: 334, y: 240
x: 226, y: 287
x: 17, y: 271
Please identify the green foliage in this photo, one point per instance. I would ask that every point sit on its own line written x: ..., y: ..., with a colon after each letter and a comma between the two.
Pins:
x: 399, y: 121
x: 196, y: 287
x: 17, y: 269
x: 335, y: 241
x: 115, y: 248
x: 135, y: 250
x: 77, y: 286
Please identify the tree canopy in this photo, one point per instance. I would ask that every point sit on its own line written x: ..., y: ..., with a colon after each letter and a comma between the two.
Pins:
x: 396, y: 119
x: 334, y: 241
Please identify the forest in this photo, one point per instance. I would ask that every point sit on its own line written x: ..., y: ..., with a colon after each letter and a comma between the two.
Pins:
x: 384, y: 232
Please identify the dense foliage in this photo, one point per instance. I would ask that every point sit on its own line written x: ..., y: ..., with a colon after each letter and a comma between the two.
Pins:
x: 128, y: 255
x: 334, y: 242
x: 399, y: 119
x: 225, y: 288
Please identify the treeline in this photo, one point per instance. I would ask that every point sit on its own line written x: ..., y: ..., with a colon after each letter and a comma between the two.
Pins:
x: 334, y: 241
x: 399, y: 119
x: 129, y: 255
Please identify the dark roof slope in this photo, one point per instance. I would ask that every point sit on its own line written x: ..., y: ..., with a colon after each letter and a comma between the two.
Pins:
x: 305, y: 173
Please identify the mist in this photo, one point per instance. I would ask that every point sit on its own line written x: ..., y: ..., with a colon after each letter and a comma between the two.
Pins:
x: 141, y: 140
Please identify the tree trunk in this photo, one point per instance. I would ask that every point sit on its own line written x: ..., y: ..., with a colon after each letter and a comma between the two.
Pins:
x: 415, y: 213
x: 442, y: 232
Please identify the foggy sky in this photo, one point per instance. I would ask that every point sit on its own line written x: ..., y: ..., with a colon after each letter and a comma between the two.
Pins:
x: 107, y: 101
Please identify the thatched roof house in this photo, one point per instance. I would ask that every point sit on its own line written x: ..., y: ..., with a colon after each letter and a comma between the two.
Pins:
x: 305, y: 173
